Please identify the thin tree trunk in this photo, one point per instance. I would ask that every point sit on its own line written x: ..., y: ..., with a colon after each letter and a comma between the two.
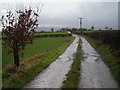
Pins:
x: 16, y: 55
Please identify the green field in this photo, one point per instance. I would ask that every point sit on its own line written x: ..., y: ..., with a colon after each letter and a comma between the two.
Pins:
x: 37, y: 57
x: 48, y: 33
x: 84, y: 31
x: 40, y: 45
x: 44, y: 33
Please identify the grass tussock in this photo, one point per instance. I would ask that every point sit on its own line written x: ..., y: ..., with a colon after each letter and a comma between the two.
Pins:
x: 17, y: 77
x: 74, y: 74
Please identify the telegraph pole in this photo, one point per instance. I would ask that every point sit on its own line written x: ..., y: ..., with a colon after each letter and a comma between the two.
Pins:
x: 80, y: 19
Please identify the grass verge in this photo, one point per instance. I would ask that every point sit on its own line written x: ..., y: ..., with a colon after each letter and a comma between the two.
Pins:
x: 17, y: 77
x: 74, y: 74
x: 108, y: 57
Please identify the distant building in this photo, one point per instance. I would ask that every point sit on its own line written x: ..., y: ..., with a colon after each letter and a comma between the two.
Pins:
x: 119, y: 15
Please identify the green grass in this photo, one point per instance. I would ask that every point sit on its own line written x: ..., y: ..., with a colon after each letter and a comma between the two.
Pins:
x: 74, y: 74
x: 84, y: 31
x: 40, y: 45
x: 17, y: 77
x: 48, y: 33
x: 107, y: 56
x: 44, y: 33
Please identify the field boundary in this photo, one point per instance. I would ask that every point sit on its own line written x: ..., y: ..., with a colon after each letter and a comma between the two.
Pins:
x: 43, y: 36
x: 53, y: 35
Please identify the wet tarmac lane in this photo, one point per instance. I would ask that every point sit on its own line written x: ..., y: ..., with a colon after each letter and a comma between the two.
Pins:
x: 54, y: 75
x: 94, y: 72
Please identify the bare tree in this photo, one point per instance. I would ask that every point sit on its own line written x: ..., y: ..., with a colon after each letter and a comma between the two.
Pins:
x: 52, y: 29
x: 92, y: 28
x: 106, y: 28
x: 19, y: 28
x: 110, y: 28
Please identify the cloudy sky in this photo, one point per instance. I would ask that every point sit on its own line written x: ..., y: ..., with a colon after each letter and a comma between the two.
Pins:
x: 65, y: 13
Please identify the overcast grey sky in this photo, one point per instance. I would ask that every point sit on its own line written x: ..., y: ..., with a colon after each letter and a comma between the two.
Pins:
x: 64, y: 14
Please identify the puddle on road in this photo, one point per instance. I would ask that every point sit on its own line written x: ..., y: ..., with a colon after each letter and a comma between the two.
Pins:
x: 94, y: 72
x: 55, y: 74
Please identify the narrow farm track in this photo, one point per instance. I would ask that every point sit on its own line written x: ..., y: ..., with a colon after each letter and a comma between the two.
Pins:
x: 54, y: 75
x: 94, y: 72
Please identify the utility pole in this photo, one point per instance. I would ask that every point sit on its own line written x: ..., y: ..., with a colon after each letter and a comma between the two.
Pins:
x: 80, y: 19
